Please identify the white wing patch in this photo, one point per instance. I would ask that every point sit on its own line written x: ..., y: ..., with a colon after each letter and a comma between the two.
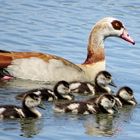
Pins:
x: 74, y: 86
x: 67, y: 97
x: 51, y: 92
x: 73, y: 106
x: 12, y: 117
x: 110, y: 111
x: 91, y: 88
x: 50, y: 99
x: 20, y: 112
x: 91, y: 108
x: 2, y: 110
x: 37, y: 92
x: 86, y: 113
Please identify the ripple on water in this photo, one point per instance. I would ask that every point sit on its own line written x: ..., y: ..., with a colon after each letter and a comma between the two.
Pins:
x: 62, y: 28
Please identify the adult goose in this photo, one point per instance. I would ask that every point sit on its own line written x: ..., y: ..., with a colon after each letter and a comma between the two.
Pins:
x: 46, y: 67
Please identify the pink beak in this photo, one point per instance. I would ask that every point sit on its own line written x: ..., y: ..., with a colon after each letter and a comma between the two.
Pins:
x: 126, y: 37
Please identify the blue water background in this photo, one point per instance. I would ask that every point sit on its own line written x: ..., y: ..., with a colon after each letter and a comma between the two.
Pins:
x: 62, y: 27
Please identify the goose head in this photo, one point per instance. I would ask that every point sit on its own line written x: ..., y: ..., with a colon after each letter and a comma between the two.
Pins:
x: 62, y: 90
x: 106, y: 27
x: 110, y: 26
x: 62, y: 87
x: 106, y: 103
x: 32, y: 100
x: 126, y: 94
x: 103, y: 79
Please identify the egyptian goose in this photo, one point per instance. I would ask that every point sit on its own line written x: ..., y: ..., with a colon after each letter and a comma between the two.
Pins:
x: 104, y: 104
x: 125, y: 96
x: 46, y: 67
x: 28, y: 109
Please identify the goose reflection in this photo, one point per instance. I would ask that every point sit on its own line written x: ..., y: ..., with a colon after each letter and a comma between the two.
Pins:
x: 24, y: 84
x: 108, y: 125
x: 30, y: 127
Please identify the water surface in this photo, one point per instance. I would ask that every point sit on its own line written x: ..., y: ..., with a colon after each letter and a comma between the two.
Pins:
x: 62, y: 27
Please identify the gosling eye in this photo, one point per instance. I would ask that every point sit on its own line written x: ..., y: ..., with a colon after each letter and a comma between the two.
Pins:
x: 64, y: 88
x: 108, y: 77
x: 112, y: 100
x: 35, y: 98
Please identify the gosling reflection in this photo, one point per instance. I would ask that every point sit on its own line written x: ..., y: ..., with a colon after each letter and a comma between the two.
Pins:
x: 108, y: 125
x: 126, y: 113
x: 30, y: 127
x: 101, y: 125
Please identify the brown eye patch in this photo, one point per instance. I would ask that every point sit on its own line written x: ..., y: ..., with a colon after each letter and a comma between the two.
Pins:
x: 117, y: 25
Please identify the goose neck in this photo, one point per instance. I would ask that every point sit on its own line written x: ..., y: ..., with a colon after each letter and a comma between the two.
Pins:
x: 95, y: 50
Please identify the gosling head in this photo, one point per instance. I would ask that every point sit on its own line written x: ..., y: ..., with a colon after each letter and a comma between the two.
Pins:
x: 32, y: 100
x: 103, y: 79
x: 126, y: 95
x: 106, y: 103
x: 62, y: 90
x: 62, y: 87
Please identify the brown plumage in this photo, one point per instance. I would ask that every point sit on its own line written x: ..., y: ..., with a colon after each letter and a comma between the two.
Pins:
x: 66, y: 70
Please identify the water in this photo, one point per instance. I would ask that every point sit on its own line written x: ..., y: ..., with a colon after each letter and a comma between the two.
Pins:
x: 62, y: 27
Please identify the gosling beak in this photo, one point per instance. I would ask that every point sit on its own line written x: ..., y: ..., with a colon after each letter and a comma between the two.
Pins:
x: 42, y: 106
x: 126, y: 37
x: 112, y: 84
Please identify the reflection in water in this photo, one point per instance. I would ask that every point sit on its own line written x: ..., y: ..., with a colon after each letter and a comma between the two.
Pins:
x: 101, y: 125
x: 126, y: 113
x: 31, y: 127
x: 107, y: 125
x: 22, y: 84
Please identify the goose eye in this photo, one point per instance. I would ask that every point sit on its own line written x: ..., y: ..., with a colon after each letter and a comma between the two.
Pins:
x: 117, y: 25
